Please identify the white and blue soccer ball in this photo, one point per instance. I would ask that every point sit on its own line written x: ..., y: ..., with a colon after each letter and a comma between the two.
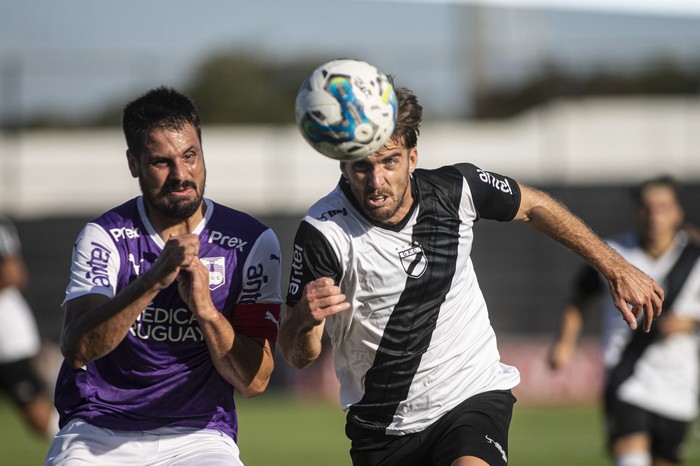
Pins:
x: 346, y: 109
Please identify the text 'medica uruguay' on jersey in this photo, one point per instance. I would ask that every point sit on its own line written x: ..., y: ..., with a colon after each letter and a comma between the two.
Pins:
x: 417, y: 340
x: 161, y: 374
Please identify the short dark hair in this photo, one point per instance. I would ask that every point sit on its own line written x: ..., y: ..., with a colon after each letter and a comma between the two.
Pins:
x: 409, y: 116
x: 663, y: 181
x: 159, y: 108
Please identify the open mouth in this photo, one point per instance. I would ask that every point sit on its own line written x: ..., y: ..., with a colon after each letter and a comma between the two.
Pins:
x: 377, y: 200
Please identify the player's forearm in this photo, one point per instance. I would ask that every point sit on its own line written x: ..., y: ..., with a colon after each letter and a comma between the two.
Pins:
x: 299, y: 343
x: 553, y: 219
x: 252, y: 362
x: 246, y: 363
x: 94, y: 325
x: 570, y: 325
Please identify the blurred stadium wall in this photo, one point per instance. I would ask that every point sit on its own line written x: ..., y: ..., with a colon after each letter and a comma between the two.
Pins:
x: 587, y: 153
x: 270, y: 169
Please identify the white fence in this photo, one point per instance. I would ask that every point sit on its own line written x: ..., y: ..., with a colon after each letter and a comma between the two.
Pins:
x: 267, y: 169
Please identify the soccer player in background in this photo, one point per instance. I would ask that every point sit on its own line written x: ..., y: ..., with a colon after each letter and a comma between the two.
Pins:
x: 172, y: 303
x: 382, y: 264
x: 651, y: 384
x: 19, y: 339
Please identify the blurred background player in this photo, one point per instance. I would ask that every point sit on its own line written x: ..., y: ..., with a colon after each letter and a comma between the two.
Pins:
x: 651, y: 386
x: 173, y: 302
x: 20, y: 342
x: 383, y: 264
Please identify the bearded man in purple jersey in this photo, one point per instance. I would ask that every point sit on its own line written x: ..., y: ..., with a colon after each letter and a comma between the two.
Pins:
x: 172, y: 305
x: 382, y: 264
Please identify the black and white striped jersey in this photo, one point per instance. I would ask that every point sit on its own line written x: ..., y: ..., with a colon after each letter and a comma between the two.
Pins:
x: 417, y: 340
x: 666, y: 377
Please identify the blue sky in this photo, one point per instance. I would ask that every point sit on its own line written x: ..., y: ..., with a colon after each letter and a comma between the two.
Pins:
x: 72, y: 57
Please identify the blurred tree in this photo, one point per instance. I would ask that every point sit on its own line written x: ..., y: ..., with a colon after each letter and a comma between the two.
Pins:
x: 229, y: 87
x: 233, y: 87
x: 660, y: 77
x: 237, y: 87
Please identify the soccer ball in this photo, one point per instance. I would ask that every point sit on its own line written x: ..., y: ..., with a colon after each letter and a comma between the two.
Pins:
x: 346, y: 109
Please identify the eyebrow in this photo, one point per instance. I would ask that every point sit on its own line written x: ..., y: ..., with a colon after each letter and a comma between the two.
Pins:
x: 394, y: 153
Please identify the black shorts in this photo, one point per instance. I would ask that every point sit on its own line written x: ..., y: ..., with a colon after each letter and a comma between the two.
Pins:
x: 476, y: 427
x: 667, y: 435
x: 19, y: 380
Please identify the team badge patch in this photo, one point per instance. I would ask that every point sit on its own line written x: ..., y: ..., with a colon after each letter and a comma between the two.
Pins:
x: 413, y: 261
x: 217, y: 271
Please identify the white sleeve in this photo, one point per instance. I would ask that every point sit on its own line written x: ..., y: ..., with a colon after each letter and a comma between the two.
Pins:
x: 95, y: 264
x: 262, y: 271
x: 687, y: 304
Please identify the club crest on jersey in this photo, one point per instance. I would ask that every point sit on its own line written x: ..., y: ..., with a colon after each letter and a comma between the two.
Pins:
x: 414, y: 261
x: 217, y: 271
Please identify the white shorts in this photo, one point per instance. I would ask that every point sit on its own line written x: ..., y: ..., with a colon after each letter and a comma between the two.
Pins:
x: 80, y: 443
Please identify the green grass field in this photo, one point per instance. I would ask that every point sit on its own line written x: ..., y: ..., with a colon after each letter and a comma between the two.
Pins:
x: 279, y: 430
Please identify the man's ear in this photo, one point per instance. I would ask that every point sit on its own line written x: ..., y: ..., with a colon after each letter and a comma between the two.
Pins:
x: 412, y: 159
x: 133, y: 164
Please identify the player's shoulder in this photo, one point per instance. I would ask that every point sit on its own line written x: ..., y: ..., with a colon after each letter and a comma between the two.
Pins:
x: 332, y: 205
x: 626, y: 240
x: 439, y: 176
x: 119, y: 216
x: 227, y: 218
x: 456, y: 175
x: 5, y: 222
x: 119, y: 223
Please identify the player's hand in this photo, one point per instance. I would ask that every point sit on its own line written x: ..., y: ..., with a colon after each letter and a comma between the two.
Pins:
x: 322, y: 298
x: 193, y: 286
x: 635, y: 294
x: 179, y: 252
x: 560, y: 356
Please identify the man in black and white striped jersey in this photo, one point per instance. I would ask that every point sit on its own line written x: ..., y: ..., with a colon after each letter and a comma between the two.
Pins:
x: 382, y: 263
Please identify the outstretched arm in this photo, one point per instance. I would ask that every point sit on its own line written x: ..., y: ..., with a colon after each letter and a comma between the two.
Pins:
x: 633, y: 292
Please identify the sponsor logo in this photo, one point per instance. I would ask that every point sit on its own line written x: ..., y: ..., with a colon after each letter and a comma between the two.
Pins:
x: 413, y: 261
x: 488, y: 178
x: 329, y: 214
x: 230, y: 242
x: 98, y: 263
x: 360, y: 84
x: 270, y: 316
x: 275, y: 257
x: 124, y: 233
x: 137, y: 267
x: 255, y: 279
x: 297, y: 270
x: 217, y: 271
x: 499, y: 447
x: 174, y: 325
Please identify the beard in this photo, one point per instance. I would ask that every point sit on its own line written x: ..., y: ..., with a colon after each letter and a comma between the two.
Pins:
x: 179, y: 210
x: 384, y: 214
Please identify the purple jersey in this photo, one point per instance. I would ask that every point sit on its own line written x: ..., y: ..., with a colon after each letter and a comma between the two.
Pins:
x: 161, y: 374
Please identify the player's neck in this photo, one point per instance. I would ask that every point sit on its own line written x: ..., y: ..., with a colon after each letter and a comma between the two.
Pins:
x: 657, y: 247
x: 166, y: 226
